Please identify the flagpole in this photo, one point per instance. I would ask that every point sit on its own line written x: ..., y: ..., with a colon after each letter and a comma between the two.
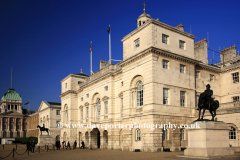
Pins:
x: 28, y: 107
x: 91, y: 59
x: 110, y: 58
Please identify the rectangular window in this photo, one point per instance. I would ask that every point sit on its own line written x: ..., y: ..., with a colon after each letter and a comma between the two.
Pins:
x: 181, y: 44
x: 182, y: 98
x: 18, y: 126
x: 58, y: 124
x: 24, y: 120
x: 182, y: 68
x: 15, y: 107
x: 87, y: 95
x: 235, y: 99
x: 5, y: 119
x: 197, y: 98
x: 164, y: 39
x: 81, y: 114
x: 87, y: 112
x: 106, y: 108
x: 211, y: 77
x: 122, y: 83
x: 25, y: 127
x: 165, y: 96
x: 4, y: 126
x: 57, y: 112
x: 11, y: 127
x: 11, y: 119
x: 165, y: 64
x: 197, y: 74
x: 137, y: 43
x: 106, y: 88
x: 235, y: 77
x: 65, y: 85
x: 82, y: 99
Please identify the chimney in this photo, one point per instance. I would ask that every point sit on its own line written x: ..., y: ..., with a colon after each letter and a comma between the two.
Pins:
x: 180, y: 27
x: 228, y: 53
x: 103, y: 64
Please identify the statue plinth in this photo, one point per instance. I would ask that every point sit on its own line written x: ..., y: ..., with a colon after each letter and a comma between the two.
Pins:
x: 209, y: 140
x: 45, y: 140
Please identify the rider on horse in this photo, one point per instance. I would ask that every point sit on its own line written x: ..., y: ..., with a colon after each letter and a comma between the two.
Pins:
x: 207, y: 97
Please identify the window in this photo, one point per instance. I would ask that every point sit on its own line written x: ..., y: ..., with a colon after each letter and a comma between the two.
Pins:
x: 67, y: 115
x: 164, y: 39
x: 8, y: 107
x: 82, y: 99
x: 137, y: 43
x: 182, y: 98
x: 197, y: 74
x: 24, y: 120
x: 122, y: 83
x: 122, y: 104
x: 87, y: 95
x: 18, y: 126
x: 87, y: 112
x: 139, y: 23
x: 15, y: 107
x: 106, y: 108
x: 197, y: 98
x: 138, y: 135
x: 211, y: 77
x: 181, y: 44
x: 106, y: 88
x: 232, y: 133
x: 235, y: 99
x: 5, y: 119
x: 165, y: 96
x: 139, y: 94
x: 65, y: 85
x: 235, y: 77
x: 79, y: 82
x: 24, y: 127
x: 98, y: 108
x: 81, y: 114
x: 4, y: 126
x: 58, y: 124
x: 11, y: 119
x: 57, y: 112
x: 165, y: 134
x: 182, y: 134
x: 182, y: 68
x: 165, y: 64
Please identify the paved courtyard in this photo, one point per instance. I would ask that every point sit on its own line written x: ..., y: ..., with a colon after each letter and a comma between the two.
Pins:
x: 93, y: 154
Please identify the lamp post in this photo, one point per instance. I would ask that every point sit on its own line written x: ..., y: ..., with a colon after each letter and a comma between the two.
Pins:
x: 79, y: 138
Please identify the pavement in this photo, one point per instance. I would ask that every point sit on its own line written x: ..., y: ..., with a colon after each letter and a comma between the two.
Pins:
x: 88, y: 154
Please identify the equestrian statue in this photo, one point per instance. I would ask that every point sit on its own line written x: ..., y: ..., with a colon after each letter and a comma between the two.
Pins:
x: 43, y: 129
x: 206, y: 102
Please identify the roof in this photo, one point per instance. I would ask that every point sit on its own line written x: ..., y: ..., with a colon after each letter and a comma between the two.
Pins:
x: 180, y: 25
x: 12, y: 94
x: 81, y: 74
x: 228, y: 48
x: 54, y: 103
x: 200, y: 41
x: 144, y: 15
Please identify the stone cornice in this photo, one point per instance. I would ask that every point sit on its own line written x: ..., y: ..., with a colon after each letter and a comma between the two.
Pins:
x: 67, y: 92
x: 161, y: 24
x: 232, y: 68
x: 209, y: 68
x: 73, y: 75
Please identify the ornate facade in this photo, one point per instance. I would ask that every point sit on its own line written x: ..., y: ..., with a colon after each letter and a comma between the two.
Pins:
x: 158, y: 82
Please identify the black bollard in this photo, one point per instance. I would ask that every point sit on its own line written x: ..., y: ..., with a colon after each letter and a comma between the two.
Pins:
x: 47, y: 148
x: 13, y: 152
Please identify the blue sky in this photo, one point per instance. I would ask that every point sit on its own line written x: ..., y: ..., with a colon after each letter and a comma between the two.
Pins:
x: 46, y: 40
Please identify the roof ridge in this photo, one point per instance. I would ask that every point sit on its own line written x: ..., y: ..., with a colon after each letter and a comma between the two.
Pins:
x: 227, y: 48
x: 200, y: 41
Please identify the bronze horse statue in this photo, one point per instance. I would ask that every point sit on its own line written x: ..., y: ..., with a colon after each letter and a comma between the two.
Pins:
x: 43, y: 129
x: 206, y: 102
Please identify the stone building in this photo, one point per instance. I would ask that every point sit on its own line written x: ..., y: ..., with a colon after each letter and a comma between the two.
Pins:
x: 159, y: 81
x: 33, y: 123
x: 13, y: 123
x: 49, y: 117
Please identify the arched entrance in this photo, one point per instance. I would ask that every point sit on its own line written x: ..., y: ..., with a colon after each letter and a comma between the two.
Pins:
x: 95, y: 138
x: 105, y: 139
x: 86, y: 139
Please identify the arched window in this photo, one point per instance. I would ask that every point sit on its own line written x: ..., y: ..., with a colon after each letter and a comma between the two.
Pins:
x: 232, y: 133
x: 106, y: 108
x: 165, y: 134
x: 67, y: 114
x: 139, y: 94
x: 98, y: 108
x: 81, y: 114
x: 138, y: 135
x: 182, y: 134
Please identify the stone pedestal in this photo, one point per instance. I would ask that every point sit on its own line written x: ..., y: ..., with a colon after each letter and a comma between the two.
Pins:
x: 45, y: 140
x: 209, y: 140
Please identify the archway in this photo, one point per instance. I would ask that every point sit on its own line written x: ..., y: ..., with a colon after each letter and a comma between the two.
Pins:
x: 95, y: 138
x: 86, y: 139
x: 105, y: 139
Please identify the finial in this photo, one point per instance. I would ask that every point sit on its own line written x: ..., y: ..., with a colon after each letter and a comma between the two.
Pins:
x: 81, y: 71
x: 144, y: 7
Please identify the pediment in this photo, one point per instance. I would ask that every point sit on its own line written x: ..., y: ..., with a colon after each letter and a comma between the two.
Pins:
x: 12, y: 114
x: 43, y: 106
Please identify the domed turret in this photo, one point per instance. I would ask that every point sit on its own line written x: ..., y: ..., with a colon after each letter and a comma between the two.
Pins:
x: 12, y: 94
x: 143, y: 18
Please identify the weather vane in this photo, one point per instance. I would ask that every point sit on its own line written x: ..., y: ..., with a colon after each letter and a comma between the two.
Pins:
x: 144, y: 7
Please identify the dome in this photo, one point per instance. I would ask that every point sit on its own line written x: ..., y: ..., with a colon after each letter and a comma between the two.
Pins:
x: 11, y: 94
x: 144, y: 15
